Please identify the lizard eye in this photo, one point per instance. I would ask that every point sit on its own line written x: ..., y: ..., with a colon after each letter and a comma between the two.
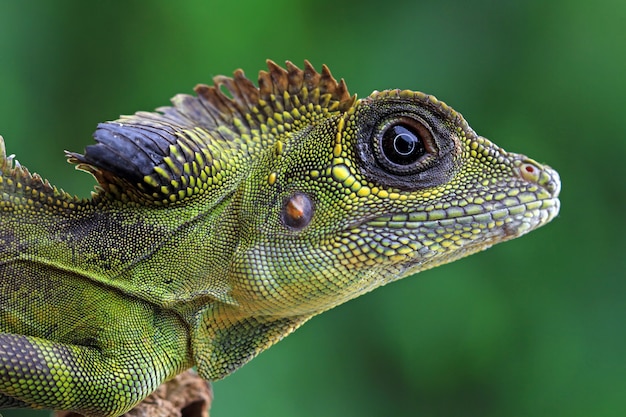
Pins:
x: 406, y: 145
x: 403, y: 145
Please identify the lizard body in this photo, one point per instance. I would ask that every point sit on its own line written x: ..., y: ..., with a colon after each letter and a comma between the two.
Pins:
x: 222, y: 223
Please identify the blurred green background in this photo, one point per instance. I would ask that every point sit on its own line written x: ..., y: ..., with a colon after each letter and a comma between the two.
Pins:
x: 534, y: 327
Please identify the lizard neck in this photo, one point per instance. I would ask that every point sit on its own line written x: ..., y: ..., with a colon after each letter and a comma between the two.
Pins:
x: 133, y: 249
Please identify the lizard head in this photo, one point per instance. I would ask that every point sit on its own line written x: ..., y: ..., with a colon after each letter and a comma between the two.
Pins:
x: 396, y: 184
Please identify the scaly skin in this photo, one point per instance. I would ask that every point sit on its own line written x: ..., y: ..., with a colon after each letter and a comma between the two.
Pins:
x: 221, y: 224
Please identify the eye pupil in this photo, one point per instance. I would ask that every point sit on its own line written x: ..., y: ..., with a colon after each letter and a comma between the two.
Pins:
x: 402, y: 145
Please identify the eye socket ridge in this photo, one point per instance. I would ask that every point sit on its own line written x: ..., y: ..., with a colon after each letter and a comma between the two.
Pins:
x: 403, y: 144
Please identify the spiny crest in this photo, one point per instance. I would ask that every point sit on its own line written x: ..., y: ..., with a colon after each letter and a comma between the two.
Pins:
x: 19, y: 189
x: 204, y: 141
x: 279, y: 90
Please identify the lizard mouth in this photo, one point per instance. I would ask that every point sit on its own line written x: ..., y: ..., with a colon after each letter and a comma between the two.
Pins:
x: 439, y: 242
x: 409, y: 244
x: 534, y: 213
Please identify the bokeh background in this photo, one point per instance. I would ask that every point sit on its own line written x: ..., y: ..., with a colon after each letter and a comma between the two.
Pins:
x: 533, y: 327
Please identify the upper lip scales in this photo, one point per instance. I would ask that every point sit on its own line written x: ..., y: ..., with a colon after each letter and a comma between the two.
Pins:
x: 555, y: 203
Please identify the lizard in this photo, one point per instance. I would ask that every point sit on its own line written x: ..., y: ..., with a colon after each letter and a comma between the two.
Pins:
x: 223, y: 222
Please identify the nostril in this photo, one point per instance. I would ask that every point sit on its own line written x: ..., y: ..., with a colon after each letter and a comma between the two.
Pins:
x: 530, y: 172
x: 542, y: 175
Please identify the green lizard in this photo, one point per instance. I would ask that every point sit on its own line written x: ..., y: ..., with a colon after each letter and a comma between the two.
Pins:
x: 224, y: 222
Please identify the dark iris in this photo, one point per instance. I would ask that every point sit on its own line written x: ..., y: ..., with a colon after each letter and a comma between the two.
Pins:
x: 402, y: 145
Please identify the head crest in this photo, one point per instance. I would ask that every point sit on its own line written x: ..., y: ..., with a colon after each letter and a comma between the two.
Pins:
x: 177, y: 152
